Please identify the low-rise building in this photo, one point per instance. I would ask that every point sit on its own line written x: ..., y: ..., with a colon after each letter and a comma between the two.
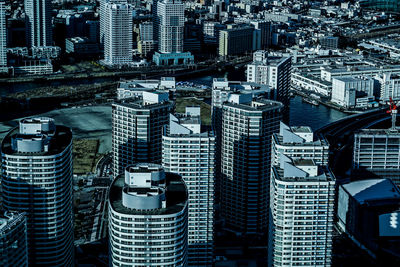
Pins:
x: 346, y: 89
x: 368, y: 212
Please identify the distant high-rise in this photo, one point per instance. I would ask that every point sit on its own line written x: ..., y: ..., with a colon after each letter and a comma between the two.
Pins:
x: 301, y: 220
x: 118, y: 33
x: 148, y: 218
x: 190, y: 151
x: 247, y: 127
x: 137, y: 129
x: 169, y: 25
x: 39, y: 30
x: 266, y: 29
x: 37, y: 180
x: 146, y: 38
x: 3, y: 36
x: 275, y: 72
x: 171, y: 19
x: 236, y: 40
x: 13, y: 240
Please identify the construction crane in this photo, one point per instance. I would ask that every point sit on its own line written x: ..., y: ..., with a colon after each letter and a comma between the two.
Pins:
x: 393, y: 111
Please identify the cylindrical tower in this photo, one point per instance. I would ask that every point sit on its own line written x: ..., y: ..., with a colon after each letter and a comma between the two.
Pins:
x: 148, y: 218
x: 37, y: 179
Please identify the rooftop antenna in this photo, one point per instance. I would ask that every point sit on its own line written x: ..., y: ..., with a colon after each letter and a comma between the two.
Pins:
x: 393, y: 111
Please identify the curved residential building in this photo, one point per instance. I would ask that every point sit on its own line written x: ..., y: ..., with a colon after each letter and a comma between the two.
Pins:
x: 37, y: 180
x: 13, y: 246
x: 148, y: 218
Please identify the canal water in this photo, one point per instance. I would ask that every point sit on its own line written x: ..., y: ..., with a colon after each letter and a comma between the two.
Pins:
x: 301, y: 113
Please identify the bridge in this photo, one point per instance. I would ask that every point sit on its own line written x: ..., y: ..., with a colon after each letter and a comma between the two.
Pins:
x: 340, y: 135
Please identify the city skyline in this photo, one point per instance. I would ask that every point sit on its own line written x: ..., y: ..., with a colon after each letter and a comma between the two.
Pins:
x: 199, y: 133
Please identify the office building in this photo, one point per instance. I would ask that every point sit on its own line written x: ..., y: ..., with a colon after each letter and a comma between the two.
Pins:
x: 3, y: 37
x: 148, y: 218
x: 301, y: 221
x: 171, y: 22
x: 237, y: 39
x: 275, y: 72
x: 13, y: 239
x: 118, y: 34
x: 137, y: 129
x: 37, y: 180
x: 266, y: 29
x: 368, y: 213
x: 376, y: 154
x: 299, y: 142
x: 38, y: 23
x: 346, y: 89
x: 145, y: 38
x: 171, y: 15
x: 211, y: 31
x: 329, y: 42
x: 247, y: 128
x: 189, y: 151
x: 385, y: 5
x: 389, y: 86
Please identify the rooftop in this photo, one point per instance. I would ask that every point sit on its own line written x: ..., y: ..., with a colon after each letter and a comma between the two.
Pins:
x: 58, y: 142
x: 176, y: 197
x: 324, y: 176
x: 372, y: 189
x: 257, y: 105
x: 301, y: 129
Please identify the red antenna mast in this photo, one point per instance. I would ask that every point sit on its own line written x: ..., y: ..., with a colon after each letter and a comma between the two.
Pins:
x: 393, y: 111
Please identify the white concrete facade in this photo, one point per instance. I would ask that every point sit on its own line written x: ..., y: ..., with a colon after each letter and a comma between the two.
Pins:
x: 171, y: 19
x: 191, y: 153
x: 302, y: 204
x: 137, y: 131
x: 148, y: 217
x: 118, y: 34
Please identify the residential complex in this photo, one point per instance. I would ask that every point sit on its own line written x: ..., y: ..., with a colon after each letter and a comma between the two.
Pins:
x: 137, y: 129
x: 272, y: 71
x: 118, y: 30
x: 37, y: 180
x: 189, y: 151
x: 301, y: 219
x: 299, y: 142
x: 247, y: 128
x: 148, y: 217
